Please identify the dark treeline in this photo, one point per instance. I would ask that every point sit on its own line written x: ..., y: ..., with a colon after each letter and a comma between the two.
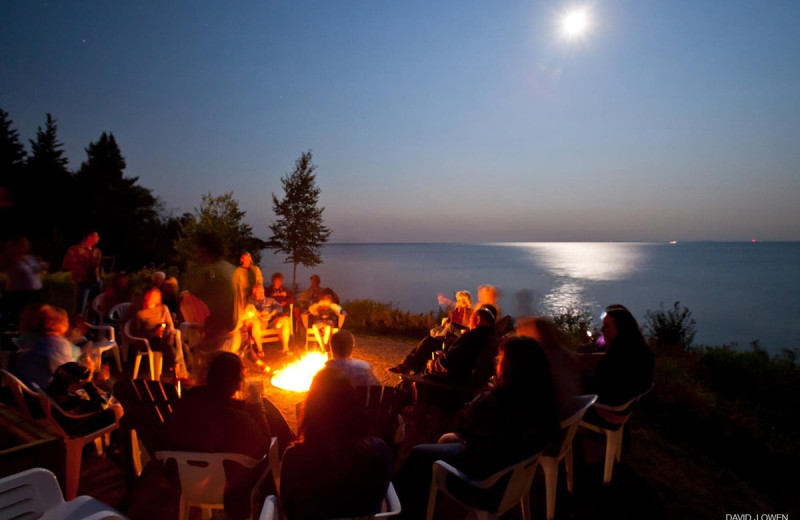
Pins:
x: 52, y: 205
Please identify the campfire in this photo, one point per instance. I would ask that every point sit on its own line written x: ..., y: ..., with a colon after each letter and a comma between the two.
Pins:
x: 297, y: 376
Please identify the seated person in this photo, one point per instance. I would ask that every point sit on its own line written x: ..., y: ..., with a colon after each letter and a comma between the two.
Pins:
x: 511, y: 422
x: 170, y: 295
x: 336, y: 470
x: 323, y: 318
x: 209, y: 419
x: 563, y: 363
x: 271, y: 316
x: 154, y: 322
x: 417, y: 360
x: 489, y: 296
x: 74, y: 392
x: 470, y: 360
x: 626, y: 369
x: 360, y: 373
x: 280, y: 293
x: 118, y: 291
x: 44, y: 346
x: 313, y: 294
x: 459, y: 313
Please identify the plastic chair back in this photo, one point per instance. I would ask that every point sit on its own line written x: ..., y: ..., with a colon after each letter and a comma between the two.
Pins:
x: 29, y: 494
x: 517, y: 489
x: 389, y: 507
x: 98, y: 305
x: 34, y: 493
x: 27, y: 400
x: 569, y: 426
x: 202, y: 476
x: 119, y: 313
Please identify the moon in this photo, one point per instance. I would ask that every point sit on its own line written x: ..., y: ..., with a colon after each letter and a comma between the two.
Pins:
x: 575, y: 23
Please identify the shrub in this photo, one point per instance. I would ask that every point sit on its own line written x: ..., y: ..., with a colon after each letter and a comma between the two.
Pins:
x: 576, y: 323
x: 383, y: 318
x: 671, y: 327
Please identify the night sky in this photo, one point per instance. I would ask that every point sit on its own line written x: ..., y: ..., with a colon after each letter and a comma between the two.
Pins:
x: 435, y: 121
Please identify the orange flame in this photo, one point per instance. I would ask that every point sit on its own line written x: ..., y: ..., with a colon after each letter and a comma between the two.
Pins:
x: 297, y: 376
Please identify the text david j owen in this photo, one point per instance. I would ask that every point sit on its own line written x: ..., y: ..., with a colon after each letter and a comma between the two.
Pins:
x: 762, y: 516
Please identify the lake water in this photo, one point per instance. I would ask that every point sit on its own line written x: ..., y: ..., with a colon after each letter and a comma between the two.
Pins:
x: 738, y: 292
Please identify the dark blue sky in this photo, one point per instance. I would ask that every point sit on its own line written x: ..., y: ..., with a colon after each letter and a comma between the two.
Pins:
x: 435, y: 121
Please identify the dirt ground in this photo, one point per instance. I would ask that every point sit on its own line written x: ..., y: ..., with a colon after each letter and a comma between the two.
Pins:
x: 380, y: 352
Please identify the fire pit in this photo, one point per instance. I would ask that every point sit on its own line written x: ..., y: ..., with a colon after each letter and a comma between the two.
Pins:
x: 297, y: 376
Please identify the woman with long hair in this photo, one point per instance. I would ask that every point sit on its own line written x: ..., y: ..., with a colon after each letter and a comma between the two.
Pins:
x: 335, y: 469
x: 626, y: 369
x: 508, y: 423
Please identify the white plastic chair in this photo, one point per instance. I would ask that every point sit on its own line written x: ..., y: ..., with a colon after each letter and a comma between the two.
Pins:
x: 517, y: 489
x: 156, y: 358
x: 119, y: 312
x: 551, y: 457
x: 34, y: 493
x: 202, y: 476
x: 389, y: 507
x: 119, y: 315
x: 20, y: 390
x: 615, y: 418
x: 97, y: 307
x: 74, y: 445
x: 105, y: 343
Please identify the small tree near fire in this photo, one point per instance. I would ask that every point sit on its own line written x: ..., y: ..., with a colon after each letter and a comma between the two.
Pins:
x: 299, y: 231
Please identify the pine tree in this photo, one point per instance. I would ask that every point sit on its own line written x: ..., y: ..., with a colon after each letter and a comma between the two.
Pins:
x: 124, y: 213
x: 46, y: 197
x: 299, y: 231
x: 12, y: 152
x: 46, y: 152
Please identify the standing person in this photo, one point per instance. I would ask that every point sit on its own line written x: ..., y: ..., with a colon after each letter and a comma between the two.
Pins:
x: 154, y: 322
x: 245, y: 278
x: 215, y: 285
x: 336, y: 470
x: 84, y: 262
x: 24, y: 279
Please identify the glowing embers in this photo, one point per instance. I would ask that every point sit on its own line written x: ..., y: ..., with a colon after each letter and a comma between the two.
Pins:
x: 297, y: 376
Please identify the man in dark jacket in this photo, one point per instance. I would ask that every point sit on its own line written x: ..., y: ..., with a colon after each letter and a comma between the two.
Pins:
x: 470, y: 360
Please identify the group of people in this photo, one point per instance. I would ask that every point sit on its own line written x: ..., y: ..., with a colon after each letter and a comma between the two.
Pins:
x: 522, y: 383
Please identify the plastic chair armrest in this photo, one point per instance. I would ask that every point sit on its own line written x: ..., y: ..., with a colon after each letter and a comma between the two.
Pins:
x: 109, y: 330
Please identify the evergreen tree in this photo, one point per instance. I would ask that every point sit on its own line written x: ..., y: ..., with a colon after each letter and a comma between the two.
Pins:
x: 299, y: 231
x: 125, y: 214
x: 12, y: 152
x: 221, y: 216
x: 45, y: 195
x: 12, y: 161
